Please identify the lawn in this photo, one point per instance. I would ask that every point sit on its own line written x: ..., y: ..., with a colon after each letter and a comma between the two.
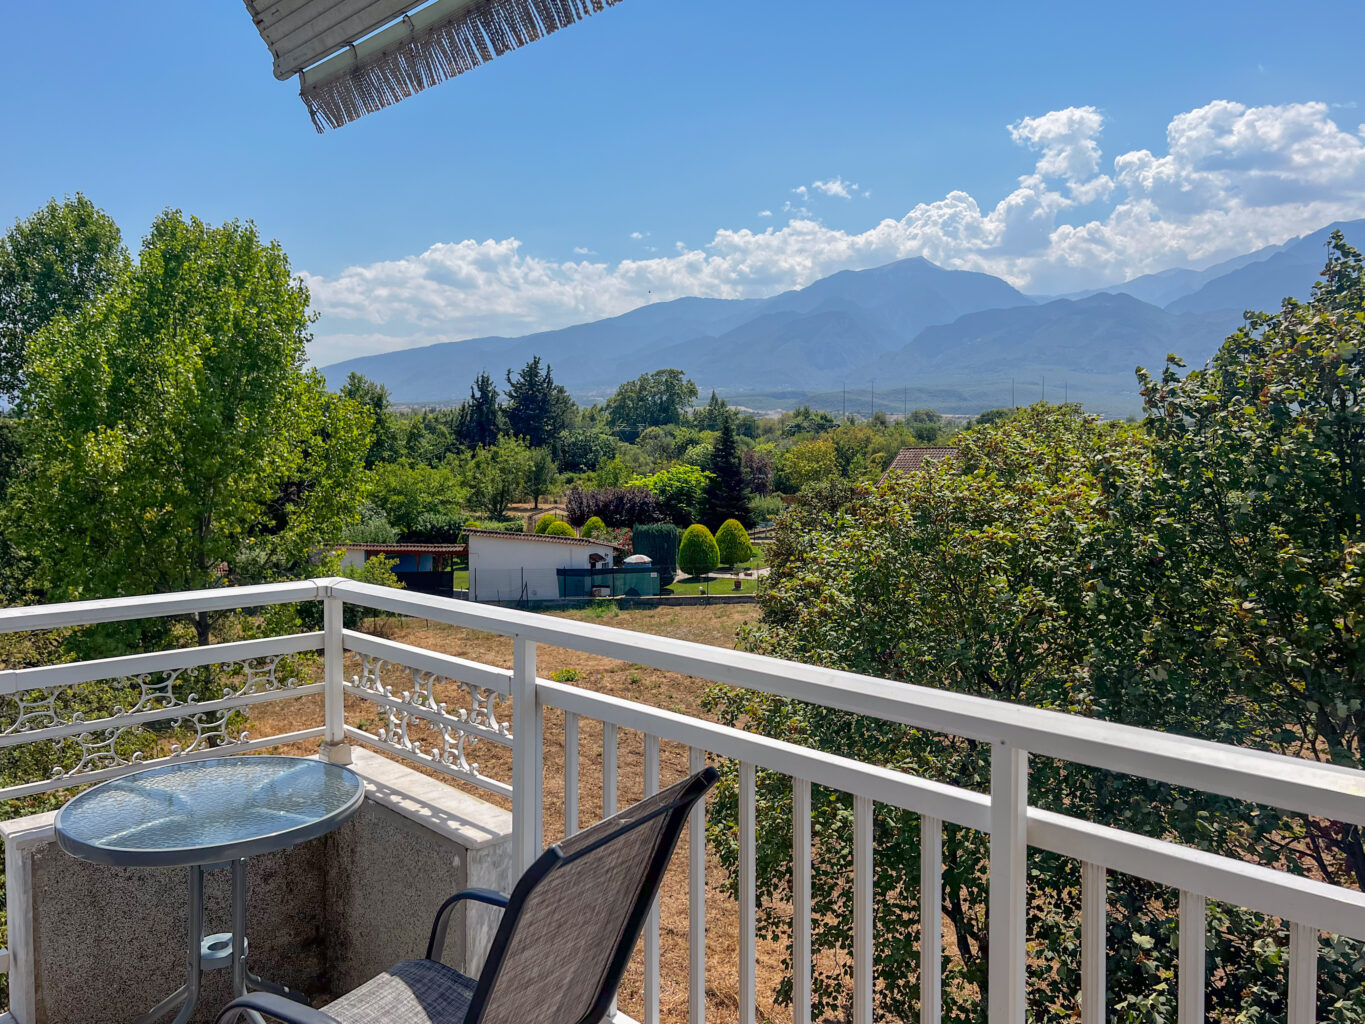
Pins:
x: 717, y: 585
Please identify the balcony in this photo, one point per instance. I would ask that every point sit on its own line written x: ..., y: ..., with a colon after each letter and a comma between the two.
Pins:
x: 470, y: 768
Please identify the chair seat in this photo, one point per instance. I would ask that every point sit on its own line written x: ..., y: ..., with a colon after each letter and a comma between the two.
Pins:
x: 410, y: 992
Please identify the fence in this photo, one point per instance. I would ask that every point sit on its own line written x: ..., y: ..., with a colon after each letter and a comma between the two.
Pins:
x: 404, y: 682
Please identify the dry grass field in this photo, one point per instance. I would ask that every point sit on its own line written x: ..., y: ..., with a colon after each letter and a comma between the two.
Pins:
x: 716, y: 625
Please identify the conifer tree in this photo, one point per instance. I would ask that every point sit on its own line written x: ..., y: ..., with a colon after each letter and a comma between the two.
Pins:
x: 481, y: 422
x: 726, y: 494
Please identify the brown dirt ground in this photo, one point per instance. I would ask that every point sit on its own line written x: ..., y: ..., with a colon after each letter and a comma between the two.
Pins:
x: 716, y: 625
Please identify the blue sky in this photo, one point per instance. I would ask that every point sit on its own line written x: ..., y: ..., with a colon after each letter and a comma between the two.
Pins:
x: 631, y: 158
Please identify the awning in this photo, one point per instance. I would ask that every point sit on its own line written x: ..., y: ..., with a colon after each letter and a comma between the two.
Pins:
x: 354, y: 57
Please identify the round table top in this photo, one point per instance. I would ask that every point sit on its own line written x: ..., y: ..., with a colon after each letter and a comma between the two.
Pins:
x: 209, y: 811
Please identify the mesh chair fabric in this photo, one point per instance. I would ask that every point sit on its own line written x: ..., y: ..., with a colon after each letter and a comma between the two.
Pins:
x: 411, y: 992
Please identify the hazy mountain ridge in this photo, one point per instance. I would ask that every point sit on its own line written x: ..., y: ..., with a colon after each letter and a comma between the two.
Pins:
x: 964, y: 336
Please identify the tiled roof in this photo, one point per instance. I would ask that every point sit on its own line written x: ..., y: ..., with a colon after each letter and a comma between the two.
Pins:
x: 410, y: 549
x: 912, y: 460
x: 545, y: 537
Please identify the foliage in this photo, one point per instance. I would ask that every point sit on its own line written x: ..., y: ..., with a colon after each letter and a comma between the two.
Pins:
x: 732, y: 542
x: 481, y: 420
x: 1200, y: 574
x: 538, y: 410
x: 727, y: 497
x: 991, y: 416
x: 712, y: 414
x: 806, y: 463
x: 681, y: 490
x: 766, y: 508
x: 419, y: 502
x: 698, y: 554
x: 613, y: 473
x: 659, y: 541
x: 541, y: 476
x: 759, y: 467
x: 651, y: 400
x: 53, y: 264
x: 431, y: 438
x: 546, y: 521
x: 496, y: 475
x: 593, y: 527
x: 559, y: 528
x: 584, y: 450
x: 373, y: 527
x: 172, y: 427
x: 805, y: 420
x: 615, y: 506
x: 374, y: 397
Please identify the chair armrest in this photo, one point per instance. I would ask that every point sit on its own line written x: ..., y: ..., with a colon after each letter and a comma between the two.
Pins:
x: 438, y: 927
x: 271, y: 1005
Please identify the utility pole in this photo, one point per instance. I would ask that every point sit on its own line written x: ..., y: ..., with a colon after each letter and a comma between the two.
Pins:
x: 1044, y: 395
x: 843, y: 407
x: 905, y: 404
x: 874, y: 399
x: 1012, y: 402
x: 1066, y: 395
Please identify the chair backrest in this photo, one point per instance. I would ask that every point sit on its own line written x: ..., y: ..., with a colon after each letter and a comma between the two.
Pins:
x: 575, y: 916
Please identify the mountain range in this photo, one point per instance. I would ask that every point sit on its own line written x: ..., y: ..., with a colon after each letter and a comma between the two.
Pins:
x: 908, y: 334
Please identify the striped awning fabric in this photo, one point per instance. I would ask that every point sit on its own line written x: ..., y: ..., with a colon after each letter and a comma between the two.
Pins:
x: 354, y: 57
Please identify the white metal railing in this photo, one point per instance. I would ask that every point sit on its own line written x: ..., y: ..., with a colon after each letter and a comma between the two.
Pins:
x: 421, y: 726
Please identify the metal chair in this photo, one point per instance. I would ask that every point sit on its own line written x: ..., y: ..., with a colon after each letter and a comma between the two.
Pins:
x: 564, y: 942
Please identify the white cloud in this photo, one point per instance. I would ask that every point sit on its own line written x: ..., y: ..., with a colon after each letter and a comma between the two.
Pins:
x: 1232, y: 178
x: 582, y: 250
x: 636, y: 235
x: 765, y: 213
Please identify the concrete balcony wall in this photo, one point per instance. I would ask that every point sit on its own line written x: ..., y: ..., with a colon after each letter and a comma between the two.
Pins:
x: 92, y: 943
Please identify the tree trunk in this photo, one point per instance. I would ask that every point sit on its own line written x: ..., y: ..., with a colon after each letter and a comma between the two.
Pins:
x: 201, y: 628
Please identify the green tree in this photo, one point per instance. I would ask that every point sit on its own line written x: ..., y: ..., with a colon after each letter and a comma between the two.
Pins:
x: 420, y: 502
x: 375, y: 398
x: 732, y: 541
x: 681, y: 490
x: 651, y: 400
x: 481, y: 419
x: 52, y: 265
x: 727, y: 497
x: 712, y: 414
x: 698, y: 554
x: 173, y: 429
x: 496, y: 475
x: 541, y: 475
x: 537, y: 410
x: 806, y: 463
x: 545, y: 522
x: 594, y: 527
x: 584, y: 450
x: 559, y: 528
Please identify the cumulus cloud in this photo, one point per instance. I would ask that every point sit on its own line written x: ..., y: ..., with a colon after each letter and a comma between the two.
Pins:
x: 765, y: 213
x: 1230, y: 178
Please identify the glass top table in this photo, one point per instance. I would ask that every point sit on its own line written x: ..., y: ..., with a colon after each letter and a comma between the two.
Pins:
x: 208, y: 814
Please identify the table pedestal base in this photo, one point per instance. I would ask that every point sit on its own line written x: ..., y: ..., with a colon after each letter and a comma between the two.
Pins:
x: 206, y: 953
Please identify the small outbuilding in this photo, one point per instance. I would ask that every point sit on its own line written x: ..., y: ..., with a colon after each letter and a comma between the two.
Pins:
x: 528, y: 567
x: 425, y: 568
x: 916, y: 460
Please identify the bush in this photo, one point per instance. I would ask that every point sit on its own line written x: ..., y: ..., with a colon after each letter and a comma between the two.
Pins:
x: 698, y: 553
x: 565, y: 675
x: 545, y: 522
x: 660, y: 542
x: 615, y: 506
x: 559, y: 528
x: 681, y: 491
x: 766, y: 508
x: 732, y: 541
x: 594, y: 527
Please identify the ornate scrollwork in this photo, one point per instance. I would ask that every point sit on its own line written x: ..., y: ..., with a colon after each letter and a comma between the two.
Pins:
x: 448, y: 742
x: 113, y: 741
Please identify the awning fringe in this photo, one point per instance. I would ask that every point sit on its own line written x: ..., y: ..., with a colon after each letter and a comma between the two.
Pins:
x: 477, y: 34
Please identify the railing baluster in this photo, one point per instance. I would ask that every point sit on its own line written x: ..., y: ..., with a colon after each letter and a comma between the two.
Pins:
x: 570, y: 773
x: 748, y: 907
x: 1094, y: 941
x: 652, y: 923
x: 334, y: 745
x: 862, y: 910
x: 930, y: 920
x: 1192, y: 945
x: 528, y: 756
x: 1008, y: 897
x: 696, y: 900
x: 801, y: 964
x: 1303, y: 974
x: 609, y: 802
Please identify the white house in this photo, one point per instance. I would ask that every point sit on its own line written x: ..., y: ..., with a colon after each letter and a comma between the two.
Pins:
x: 524, y: 566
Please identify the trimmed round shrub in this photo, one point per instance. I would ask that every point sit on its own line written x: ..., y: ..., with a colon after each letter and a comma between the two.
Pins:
x: 733, y: 542
x: 698, y: 554
x: 544, y: 523
x: 594, y: 527
x: 559, y: 528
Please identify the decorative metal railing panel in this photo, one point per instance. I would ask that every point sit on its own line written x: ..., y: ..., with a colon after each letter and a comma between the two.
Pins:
x: 419, y: 721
